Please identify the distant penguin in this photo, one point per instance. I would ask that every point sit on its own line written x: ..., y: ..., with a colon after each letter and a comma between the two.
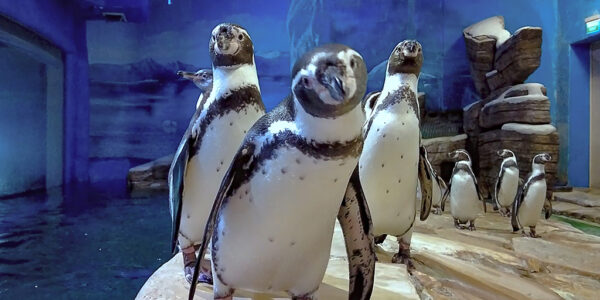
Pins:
x: 203, y: 79
x: 532, y: 198
x: 273, y: 218
x: 390, y: 161
x: 507, y: 183
x: 463, y: 191
x: 223, y: 118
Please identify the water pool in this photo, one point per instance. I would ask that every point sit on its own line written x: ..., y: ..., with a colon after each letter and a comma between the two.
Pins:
x: 84, y: 243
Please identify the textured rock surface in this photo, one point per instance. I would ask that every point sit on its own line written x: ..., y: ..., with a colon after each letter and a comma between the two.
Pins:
x: 524, y: 103
x: 525, y: 146
x: 496, y: 66
x: 490, y: 263
x: 438, y: 149
x: 150, y: 177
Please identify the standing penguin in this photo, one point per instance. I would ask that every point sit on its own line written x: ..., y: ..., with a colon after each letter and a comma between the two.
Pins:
x: 393, y: 160
x: 463, y: 190
x: 273, y: 219
x: 203, y: 79
x: 531, y: 199
x: 507, y: 183
x: 224, y: 117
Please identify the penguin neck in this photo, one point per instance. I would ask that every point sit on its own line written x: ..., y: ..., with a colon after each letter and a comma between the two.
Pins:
x: 344, y: 128
x: 393, y: 82
x: 228, y: 79
x: 537, y: 168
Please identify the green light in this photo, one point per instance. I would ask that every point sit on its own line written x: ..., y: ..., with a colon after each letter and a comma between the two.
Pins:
x: 592, y: 26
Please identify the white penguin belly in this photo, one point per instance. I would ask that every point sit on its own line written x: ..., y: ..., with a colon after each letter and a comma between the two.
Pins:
x: 531, y: 208
x: 389, y: 173
x: 275, y: 231
x: 508, y: 188
x: 206, y: 169
x: 464, y: 202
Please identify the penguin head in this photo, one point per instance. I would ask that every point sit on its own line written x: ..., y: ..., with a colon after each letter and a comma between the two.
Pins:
x: 202, y: 79
x: 459, y: 155
x: 368, y: 103
x: 542, y: 158
x: 504, y: 153
x: 230, y: 46
x: 406, y: 58
x: 329, y: 81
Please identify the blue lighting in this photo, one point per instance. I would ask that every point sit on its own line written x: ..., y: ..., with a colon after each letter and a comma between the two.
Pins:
x: 169, y: 2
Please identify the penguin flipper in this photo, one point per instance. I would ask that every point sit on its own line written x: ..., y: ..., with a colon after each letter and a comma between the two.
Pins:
x: 426, y: 182
x: 497, y: 185
x: 175, y: 181
x: 355, y: 220
x: 176, y: 177
x: 446, y: 194
x: 237, y: 172
x: 514, y: 218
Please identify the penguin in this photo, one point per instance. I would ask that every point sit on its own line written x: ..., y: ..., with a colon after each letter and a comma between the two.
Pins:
x: 507, y: 183
x: 393, y: 159
x: 222, y: 120
x: 439, y: 188
x: 203, y: 79
x: 463, y: 191
x: 532, y: 198
x: 273, y: 218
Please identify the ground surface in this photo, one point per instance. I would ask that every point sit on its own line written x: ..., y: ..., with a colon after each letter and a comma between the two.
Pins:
x: 490, y: 263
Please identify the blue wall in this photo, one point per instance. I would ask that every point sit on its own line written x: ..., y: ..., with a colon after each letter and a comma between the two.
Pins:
x: 59, y: 22
x: 573, y: 93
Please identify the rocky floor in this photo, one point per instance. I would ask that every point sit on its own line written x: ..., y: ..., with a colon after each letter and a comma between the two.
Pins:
x: 580, y: 204
x: 489, y: 263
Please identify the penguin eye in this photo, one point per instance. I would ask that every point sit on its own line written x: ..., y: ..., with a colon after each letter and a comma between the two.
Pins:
x: 213, y: 37
x: 240, y: 37
x: 352, y: 63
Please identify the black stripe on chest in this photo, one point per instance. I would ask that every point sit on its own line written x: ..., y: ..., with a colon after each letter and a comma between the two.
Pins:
x: 402, y: 94
x: 236, y: 101
x: 290, y: 140
x: 509, y: 164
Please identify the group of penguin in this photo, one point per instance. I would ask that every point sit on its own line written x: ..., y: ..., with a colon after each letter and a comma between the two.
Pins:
x: 262, y: 191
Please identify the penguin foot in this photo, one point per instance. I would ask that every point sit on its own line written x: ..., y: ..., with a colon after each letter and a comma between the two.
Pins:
x: 189, y: 262
x: 504, y: 212
x: 380, y: 238
x: 400, y: 258
x: 437, y: 211
x: 532, y: 232
x: 472, y: 226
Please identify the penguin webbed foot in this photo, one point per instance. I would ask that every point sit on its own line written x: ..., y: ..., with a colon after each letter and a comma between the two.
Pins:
x: 437, y: 211
x: 532, y: 233
x: 403, y: 256
x: 472, y: 225
x: 504, y: 212
x: 189, y: 261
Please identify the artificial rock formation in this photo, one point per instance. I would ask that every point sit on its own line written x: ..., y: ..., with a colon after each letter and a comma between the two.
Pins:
x: 511, y: 114
x: 149, y: 177
x: 498, y: 59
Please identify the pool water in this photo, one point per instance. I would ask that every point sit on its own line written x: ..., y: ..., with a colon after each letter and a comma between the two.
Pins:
x: 81, y: 243
x: 587, y: 227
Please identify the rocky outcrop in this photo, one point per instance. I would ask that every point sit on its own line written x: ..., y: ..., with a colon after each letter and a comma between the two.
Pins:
x: 150, y: 177
x: 523, y: 103
x: 497, y: 59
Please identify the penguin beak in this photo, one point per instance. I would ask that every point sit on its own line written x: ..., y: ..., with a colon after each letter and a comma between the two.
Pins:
x: 331, y: 79
x: 186, y: 75
x: 547, y: 157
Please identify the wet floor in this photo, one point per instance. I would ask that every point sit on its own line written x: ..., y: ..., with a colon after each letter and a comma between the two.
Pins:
x: 85, y: 243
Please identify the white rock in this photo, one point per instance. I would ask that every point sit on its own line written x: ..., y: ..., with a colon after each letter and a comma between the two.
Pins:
x: 493, y: 26
x: 544, y: 129
x: 534, y: 91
